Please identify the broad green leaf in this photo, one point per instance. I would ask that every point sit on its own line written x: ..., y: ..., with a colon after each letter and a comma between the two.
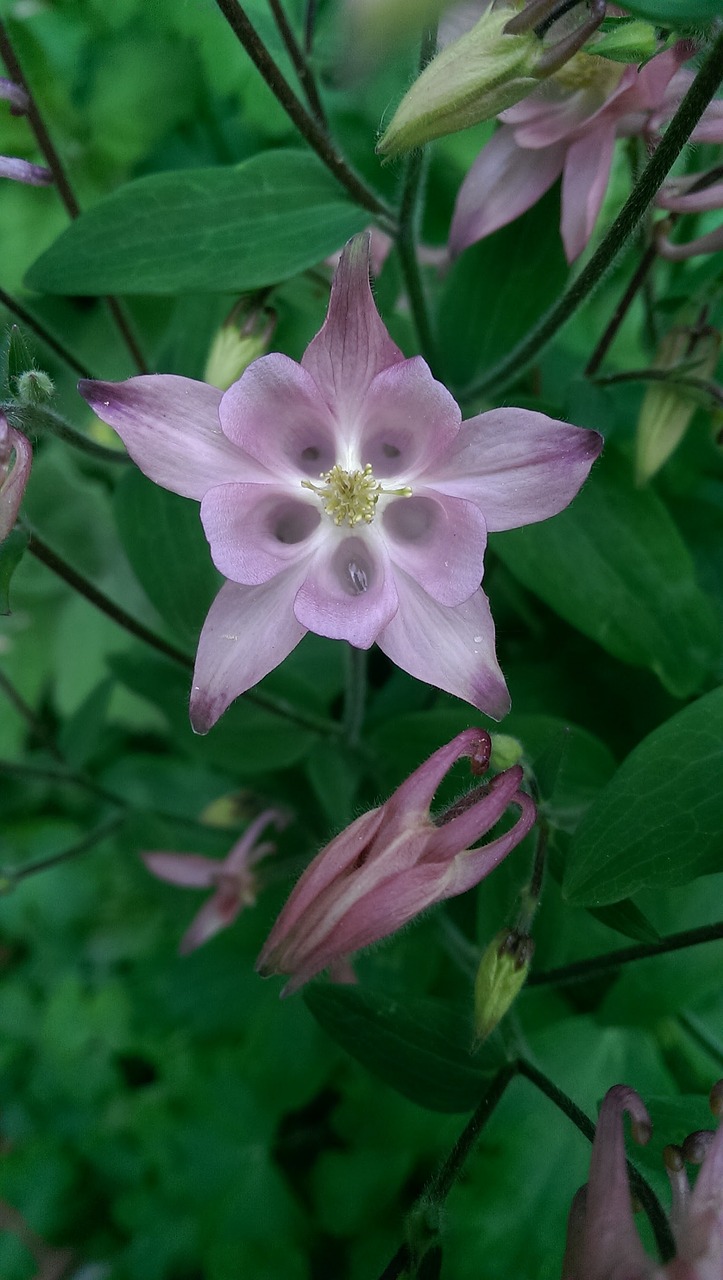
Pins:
x: 614, y: 566
x: 659, y: 821
x: 627, y: 918
x: 419, y: 1047
x: 672, y: 13
x: 11, y: 553
x: 227, y: 229
x: 163, y: 539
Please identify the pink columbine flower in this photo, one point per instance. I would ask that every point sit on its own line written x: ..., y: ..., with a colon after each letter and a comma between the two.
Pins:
x: 345, y: 496
x: 15, y: 458
x: 233, y: 879
x: 394, y: 862
x: 694, y: 193
x: 602, y: 1240
x: 569, y: 127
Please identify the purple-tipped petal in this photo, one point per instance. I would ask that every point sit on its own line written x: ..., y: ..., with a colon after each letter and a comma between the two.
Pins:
x: 246, y: 852
x: 406, y: 420
x: 584, y: 182
x: 710, y: 127
x: 477, y: 818
x: 248, y: 632
x: 34, y: 175
x: 190, y: 870
x: 349, y: 591
x: 710, y: 243
x: 452, y: 648
x: 353, y: 345
x: 677, y: 198
x: 276, y: 413
x: 517, y: 466
x: 439, y: 541
x: 171, y: 429
x: 257, y: 530
x: 503, y: 182
x: 13, y: 474
x: 613, y: 1250
x: 417, y: 792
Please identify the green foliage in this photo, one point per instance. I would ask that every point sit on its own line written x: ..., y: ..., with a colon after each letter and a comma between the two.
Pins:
x: 676, y: 13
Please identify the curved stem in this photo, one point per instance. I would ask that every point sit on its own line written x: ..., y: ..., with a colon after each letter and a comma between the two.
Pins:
x: 600, y: 965
x: 32, y: 419
x: 298, y: 58
x: 637, y: 281
x: 41, y: 332
x: 308, y: 127
x: 81, y: 846
x: 676, y: 135
x: 408, y: 220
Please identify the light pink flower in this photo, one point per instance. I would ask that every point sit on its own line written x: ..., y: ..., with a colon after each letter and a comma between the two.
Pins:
x: 394, y: 862
x: 345, y: 496
x: 10, y: 166
x: 15, y: 458
x: 233, y: 879
x: 602, y: 1240
x: 569, y: 127
x: 694, y: 193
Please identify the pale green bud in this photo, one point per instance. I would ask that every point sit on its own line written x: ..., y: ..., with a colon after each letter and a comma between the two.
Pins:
x: 630, y: 40
x: 34, y: 387
x: 668, y: 407
x: 506, y: 752
x: 500, y: 978
x: 236, y: 347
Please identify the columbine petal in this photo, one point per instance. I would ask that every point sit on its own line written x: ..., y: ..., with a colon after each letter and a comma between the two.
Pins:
x: 171, y: 429
x: 218, y: 913
x: 349, y: 591
x: 503, y: 182
x: 13, y: 476
x: 276, y: 413
x: 439, y: 541
x: 248, y: 632
x: 353, y: 345
x: 246, y: 852
x: 517, y: 466
x: 257, y: 530
x: 191, y: 870
x: 612, y: 1246
x: 678, y: 198
x: 406, y: 420
x: 35, y: 175
x: 476, y: 819
x: 584, y: 183
x: 452, y: 648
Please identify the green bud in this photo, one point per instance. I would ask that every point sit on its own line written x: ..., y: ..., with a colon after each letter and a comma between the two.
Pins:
x: 629, y: 40
x: 34, y: 387
x: 501, y: 975
x: 236, y: 346
x: 668, y: 407
x: 506, y: 752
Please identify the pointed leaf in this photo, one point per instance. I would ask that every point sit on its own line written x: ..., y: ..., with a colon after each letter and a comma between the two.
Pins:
x: 11, y: 553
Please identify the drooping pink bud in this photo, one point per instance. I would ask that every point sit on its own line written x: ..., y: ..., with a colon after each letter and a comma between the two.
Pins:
x: 15, y: 458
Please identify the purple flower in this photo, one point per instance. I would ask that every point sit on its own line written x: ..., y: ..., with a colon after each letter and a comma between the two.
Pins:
x: 345, y: 496
x: 569, y: 128
x: 394, y: 862
x: 602, y: 1240
x: 15, y: 458
x: 233, y: 880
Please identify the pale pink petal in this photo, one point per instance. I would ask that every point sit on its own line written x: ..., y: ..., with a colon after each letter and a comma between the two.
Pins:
x: 573, y: 1264
x: 348, y: 592
x: 584, y: 183
x: 473, y: 865
x: 676, y: 196
x: 190, y: 870
x: 171, y: 429
x: 13, y: 474
x: 276, y: 414
x: 701, y: 1234
x: 662, y: 81
x: 503, y: 182
x: 613, y: 1250
x: 257, y: 530
x: 353, y: 345
x: 248, y: 632
x: 518, y: 466
x: 439, y: 541
x: 405, y: 421
x: 710, y: 243
x: 416, y: 793
x: 35, y: 175
x: 477, y: 817
x: 341, y: 971
x: 246, y: 852
x: 452, y: 648
x: 710, y: 127
x: 218, y: 913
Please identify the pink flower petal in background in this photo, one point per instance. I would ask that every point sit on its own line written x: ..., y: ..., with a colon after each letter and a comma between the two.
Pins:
x: 16, y: 456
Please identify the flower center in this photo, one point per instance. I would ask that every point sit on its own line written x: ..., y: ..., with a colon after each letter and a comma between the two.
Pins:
x: 351, y: 496
x: 586, y: 71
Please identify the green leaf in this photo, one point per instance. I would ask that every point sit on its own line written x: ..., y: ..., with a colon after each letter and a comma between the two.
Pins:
x: 227, y: 229
x: 11, y: 553
x: 628, y: 919
x: 420, y: 1047
x: 163, y: 539
x: 674, y: 13
x: 659, y: 821
x: 614, y: 566
x: 15, y: 358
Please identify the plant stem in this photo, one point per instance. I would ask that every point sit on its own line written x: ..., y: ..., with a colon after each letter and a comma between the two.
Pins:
x: 621, y: 311
x: 81, y: 846
x: 440, y: 1184
x: 355, y: 693
x: 309, y: 24
x: 298, y: 58
x: 41, y: 332
x: 408, y: 220
x: 676, y: 135
x: 32, y: 419
x: 308, y: 127
x: 600, y: 965
x: 641, y: 1187
x: 703, y: 386
x: 23, y: 709
x: 60, y: 178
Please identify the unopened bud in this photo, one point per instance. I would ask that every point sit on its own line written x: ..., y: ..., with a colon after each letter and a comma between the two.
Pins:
x: 506, y: 751
x: 236, y: 346
x: 15, y: 459
x: 34, y: 387
x: 668, y: 407
x: 228, y: 810
x: 500, y: 978
x: 34, y: 175
x: 630, y: 40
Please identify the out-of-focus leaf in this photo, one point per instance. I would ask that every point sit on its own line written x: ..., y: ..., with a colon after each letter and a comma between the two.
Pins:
x: 628, y: 919
x: 419, y: 1047
x: 672, y: 13
x: 11, y: 553
x: 614, y: 566
x: 660, y: 820
x: 203, y: 230
x: 81, y: 733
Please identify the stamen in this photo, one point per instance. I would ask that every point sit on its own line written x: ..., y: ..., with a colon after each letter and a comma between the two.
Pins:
x: 352, y: 496
x: 357, y: 577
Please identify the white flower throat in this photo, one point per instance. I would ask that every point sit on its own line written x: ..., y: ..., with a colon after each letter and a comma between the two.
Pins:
x: 350, y: 497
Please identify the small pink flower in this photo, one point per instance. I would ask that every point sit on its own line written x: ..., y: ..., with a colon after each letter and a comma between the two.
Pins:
x: 15, y: 459
x: 345, y: 496
x: 690, y: 195
x: 569, y: 127
x: 233, y: 879
x: 602, y: 1240
x: 394, y: 862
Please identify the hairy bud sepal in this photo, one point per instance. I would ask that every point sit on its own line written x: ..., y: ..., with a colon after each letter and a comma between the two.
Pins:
x: 501, y: 976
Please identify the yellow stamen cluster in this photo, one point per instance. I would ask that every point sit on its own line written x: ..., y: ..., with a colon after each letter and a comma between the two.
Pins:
x: 585, y: 71
x: 350, y: 496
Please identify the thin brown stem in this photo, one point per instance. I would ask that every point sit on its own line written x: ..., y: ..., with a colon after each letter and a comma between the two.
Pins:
x: 298, y: 59
x: 637, y: 280
x: 44, y: 334
x: 309, y: 26
x: 598, y: 966
x: 36, y: 726
x: 65, y: 855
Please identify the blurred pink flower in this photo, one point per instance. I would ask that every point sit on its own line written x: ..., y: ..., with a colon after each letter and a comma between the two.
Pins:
x: 345, y: 496
x: 602, y: 1240
x: 10, y: 166
x: 393, y: 862
x: 694, y: 193
x: 568, y: 127
x: 15, y: 459
x: 233, y: 879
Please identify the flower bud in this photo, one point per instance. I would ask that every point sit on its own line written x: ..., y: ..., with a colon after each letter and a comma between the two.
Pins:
x: 236, y: 346
x: 500, y: 977
x: 506, y: 751
x: 15, y: 459
x: 34, y: 386
x: 630, y: 40
x: 668, y: 408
